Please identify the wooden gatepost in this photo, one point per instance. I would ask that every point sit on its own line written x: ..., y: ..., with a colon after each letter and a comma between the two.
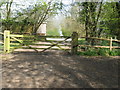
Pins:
x: 74, y: 43
x: 6, y: 41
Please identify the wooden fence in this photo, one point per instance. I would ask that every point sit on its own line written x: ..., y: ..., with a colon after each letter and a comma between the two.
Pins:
x: 13, y: 41
x: 111, y: 40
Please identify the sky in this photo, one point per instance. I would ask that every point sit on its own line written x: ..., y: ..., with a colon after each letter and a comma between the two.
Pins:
x: 32, y: 1
x: 26, y: 3
x: 67, y: 2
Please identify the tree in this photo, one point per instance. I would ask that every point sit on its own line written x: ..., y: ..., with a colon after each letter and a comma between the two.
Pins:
x: 111, y: 19
x: 33, y: 15
x: 100, y: 19
x: 8, y: 8
x: 6, y: 11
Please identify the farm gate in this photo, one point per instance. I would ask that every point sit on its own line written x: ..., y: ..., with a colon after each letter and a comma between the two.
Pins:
x: 39, y: 43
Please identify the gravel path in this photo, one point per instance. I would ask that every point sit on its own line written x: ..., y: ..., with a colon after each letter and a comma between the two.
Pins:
x: 58, y: 70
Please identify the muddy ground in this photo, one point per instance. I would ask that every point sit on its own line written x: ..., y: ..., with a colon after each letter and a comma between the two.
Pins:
x: 56, y: 69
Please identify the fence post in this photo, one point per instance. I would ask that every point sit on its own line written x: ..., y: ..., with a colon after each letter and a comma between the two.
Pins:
x: 74, y: 43
x: 6, y: 41
x: 111, y: 44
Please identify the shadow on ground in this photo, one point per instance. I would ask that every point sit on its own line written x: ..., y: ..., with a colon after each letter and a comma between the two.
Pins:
x: 58, y: 70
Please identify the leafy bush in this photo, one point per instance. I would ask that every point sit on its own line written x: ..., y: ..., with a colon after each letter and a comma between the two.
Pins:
x: 80, y: 53
x: 90, y: 52
x: 115, y: 44
x: 104, y: 43
x: 114, y: 53
x: 100, y: 52
x: 103, y: 52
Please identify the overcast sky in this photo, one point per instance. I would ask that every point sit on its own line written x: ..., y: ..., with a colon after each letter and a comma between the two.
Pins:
x: 26, y: 3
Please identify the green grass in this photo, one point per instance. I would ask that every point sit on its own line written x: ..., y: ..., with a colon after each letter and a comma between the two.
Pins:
x: 66, y: 32
x: 53, y: 32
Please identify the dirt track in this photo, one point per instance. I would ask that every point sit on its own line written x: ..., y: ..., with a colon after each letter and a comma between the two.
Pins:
x: 58, y: 70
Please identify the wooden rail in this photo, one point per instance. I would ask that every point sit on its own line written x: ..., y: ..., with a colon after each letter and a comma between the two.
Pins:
x: 55, y: 36
x: 101, y: 39
x: 98, y: 46
x: 1, y: 42
x: 1, y: 33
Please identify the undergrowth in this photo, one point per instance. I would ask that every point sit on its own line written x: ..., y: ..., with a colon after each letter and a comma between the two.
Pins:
x: 100, y: 52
